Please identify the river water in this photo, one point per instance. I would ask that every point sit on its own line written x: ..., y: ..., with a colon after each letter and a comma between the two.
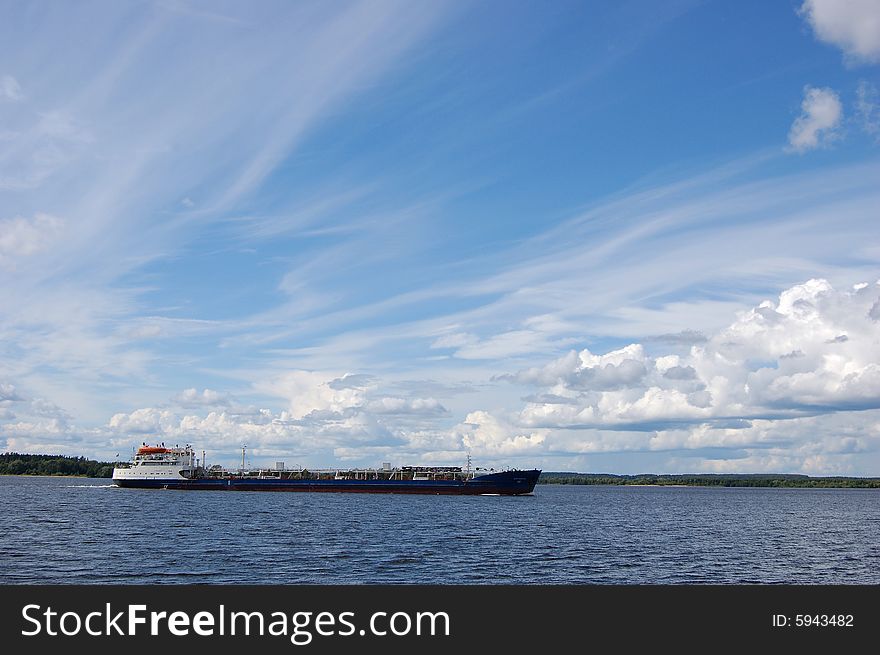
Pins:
x: 74, y: 530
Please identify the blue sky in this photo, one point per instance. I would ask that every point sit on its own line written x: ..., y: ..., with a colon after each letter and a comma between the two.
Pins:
x: 617, y: 237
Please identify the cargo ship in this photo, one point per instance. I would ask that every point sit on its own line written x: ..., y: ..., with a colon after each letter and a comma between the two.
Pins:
x: 161, y: 467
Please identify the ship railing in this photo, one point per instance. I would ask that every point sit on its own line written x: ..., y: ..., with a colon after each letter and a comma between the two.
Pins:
x: 269, y: 474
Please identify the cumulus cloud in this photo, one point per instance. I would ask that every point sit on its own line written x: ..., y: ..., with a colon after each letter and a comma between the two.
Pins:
x: 325, y: 414
x: 851, y: 25
x: 144, y: 421
x: 821, y: 114
x: 46, y: 409
x: 33, y: 414
x: 814, y: 350
x: 307, y: 392
x: 265, y: 432
x: 793, y: 384
x: 9, y: 89
x: 37, y: 425
x: 50, y: 436
x: 314, y: 396
x: 584, y: 370
x: 485, y: 434
x: 324, y: 437
x: 7, y: 392
x: 21, y: 237
x: 830, y: 444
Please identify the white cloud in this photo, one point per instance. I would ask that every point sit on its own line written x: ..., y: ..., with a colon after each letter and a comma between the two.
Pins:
x: 46, y: 409
x: 309, y: 391
x: 649, y: 253
x: 21, y: 237
x: 506, y: 344
x: 122, y: 171
x: 9, y: 89
x: 50, y: 436
x: 488, y: 435
x: 8, y: 393
x: 831, y: 444
x: 36, y: 425
x: 815, y: 350
x: 584, y: 370
x: 312, y: 395
x: 851, y: 25
x: 820, y: 116
x: 39, y: 426
x: 776, y: 390
x: 144, y: 421
x: 265, y: 432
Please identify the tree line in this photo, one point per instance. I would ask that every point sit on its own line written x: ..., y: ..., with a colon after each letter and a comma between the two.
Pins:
x: 22, y: 464
x: 712, y: 480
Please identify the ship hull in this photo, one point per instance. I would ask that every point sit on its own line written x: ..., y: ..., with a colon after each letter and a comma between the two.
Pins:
x: 506, y: 483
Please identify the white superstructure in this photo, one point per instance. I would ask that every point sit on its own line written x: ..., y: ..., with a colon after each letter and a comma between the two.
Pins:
x: 159, y: 463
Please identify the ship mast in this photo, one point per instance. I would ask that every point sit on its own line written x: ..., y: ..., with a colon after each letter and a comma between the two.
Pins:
x: 243, y: 447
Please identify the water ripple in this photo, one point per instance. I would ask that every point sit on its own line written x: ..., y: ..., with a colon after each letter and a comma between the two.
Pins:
x: 92, y: 532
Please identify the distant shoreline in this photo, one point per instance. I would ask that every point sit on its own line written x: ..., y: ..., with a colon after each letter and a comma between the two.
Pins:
x: 53, y: 466
x: 765, y: 480
x: 810, y: 483
x: 50, y: 475
x: 80, y: 467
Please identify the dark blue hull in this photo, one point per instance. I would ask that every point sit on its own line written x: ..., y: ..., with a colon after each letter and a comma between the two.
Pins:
x: 506, y: 483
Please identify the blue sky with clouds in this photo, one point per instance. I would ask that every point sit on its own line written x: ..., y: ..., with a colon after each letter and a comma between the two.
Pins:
x: 619, y: 237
